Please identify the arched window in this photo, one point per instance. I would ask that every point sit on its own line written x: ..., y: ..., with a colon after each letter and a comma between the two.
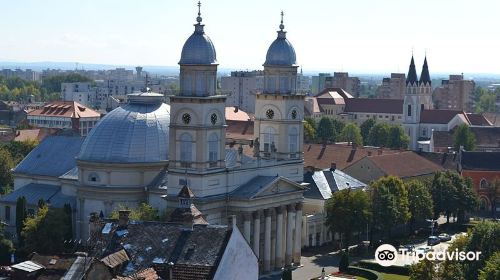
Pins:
x: 293, y: 141
x: 483, y: 184
x: 268, y: 136
x: 186, y: 148
x: 409, y: 110
x: 483, y: 204
x: 213, y: 148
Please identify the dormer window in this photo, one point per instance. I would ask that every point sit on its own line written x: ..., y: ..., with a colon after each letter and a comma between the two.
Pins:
x: 94, y: 177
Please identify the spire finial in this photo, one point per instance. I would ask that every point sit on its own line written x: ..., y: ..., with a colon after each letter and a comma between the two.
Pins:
x: 198, y: 19
x: 281, y: 25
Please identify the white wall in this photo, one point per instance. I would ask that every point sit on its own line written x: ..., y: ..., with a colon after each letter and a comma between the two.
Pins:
x: 238, y: 261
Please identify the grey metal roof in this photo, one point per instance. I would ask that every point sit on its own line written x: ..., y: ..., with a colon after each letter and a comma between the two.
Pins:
x: 54, y: 156
x: 322, y: 184
x: 34, y: 192
x: 198, y: 48
x: 281, y: 51
x: 72, y: 174
x: 252, y: 187
x: 134, y: 133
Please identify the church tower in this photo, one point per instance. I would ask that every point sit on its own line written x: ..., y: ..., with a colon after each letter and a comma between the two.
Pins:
x: 418, y: 97
x: 197, y: 124
x: 279, y: 109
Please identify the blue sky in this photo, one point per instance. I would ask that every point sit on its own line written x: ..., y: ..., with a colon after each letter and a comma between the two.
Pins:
x: 348, y: 35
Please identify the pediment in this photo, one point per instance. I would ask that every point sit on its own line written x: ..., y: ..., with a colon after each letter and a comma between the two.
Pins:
x: 279, y: 186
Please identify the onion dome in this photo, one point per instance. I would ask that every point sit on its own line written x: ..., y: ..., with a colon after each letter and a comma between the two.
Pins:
x: 198, y: 49
x: 281, y: 51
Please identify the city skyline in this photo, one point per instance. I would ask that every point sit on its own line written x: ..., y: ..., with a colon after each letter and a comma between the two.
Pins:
x: 452, y: 33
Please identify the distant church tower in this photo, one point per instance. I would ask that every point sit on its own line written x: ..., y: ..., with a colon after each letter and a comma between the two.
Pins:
x: 418, y: 97
x: 279, y: 110
x: 197, y: 124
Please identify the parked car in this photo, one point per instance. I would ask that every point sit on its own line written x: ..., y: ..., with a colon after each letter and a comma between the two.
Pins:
x: 433, y: 240
x: 408, y: 247
x: 444, y: 237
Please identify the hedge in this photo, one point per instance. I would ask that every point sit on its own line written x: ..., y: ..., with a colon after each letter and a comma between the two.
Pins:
x: 401, y: 270
x: 363, y: 272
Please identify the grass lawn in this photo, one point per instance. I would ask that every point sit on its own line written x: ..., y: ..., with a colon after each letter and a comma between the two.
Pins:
x: 393, y: 276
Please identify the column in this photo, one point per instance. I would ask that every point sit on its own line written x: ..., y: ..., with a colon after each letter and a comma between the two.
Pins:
x: 246, y: 226
x: 298, y: 234
x: 289, y: 234
x: 267, y: 240
x: 278, y: 263
x: 256, y: 233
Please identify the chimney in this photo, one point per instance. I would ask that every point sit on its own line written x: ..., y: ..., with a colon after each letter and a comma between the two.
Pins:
x: 236, y: 109
x: 333, y: 166
x: 123, y: 218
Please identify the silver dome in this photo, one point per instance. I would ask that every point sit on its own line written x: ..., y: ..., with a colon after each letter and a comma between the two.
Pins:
x: 281, y: 51
x: 198, y: 48
x: 134, y: 133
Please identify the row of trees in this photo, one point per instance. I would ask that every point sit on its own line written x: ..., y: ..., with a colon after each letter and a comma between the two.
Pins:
x: 389, y: 202
x: 369, y: 133
x: 485, y: 100
x: 17, y: 89
x: 484, y: 238
x: 10, y: 155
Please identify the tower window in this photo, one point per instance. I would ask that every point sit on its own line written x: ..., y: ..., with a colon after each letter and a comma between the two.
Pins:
x: 268, y: 136
x: 409, y: 110
x: 186, y: 148
x: 293, y: 139
x: 421, y: 107
x: 213, y: 148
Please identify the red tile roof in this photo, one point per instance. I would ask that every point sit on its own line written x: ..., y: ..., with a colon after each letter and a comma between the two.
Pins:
x: 239, y: 130
x: 478, y: 119
x: 322, y: 156
x: 438, y: 116
x: 70, y: 109
x: 369, y: 105
x: 145, y: 274
x: 405, y: 165
x: 234, y: 114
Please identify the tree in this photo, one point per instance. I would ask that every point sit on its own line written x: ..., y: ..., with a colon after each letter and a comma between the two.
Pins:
x: 486, y: 103
x: 424, y: 269
x: 287, y: 274
x: 389, y: 203
x: 309, y: 131
x: 144, y: 212
x: 69, y: 221
x: 347, y: 211
x: 484, y: 238
x: 20, y: 149
x: 325, y: 130
x: 6, y: 248
x: 351, y: 134
x: 451, y: 193
x: 46, y: 232
x: 491, y: 269
x: 463, y: 137
x: 397, y: 138
x: 378, y: 135
x: 365, y: 128
x: 337, y: 128
x: 6, y: 164
x: 21, y: 214
x: 420, y: 202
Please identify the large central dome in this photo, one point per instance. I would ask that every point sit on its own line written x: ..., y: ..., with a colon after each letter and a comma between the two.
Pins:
x: 198, y: 49
x: 134, y: 133
x: 281, y: 51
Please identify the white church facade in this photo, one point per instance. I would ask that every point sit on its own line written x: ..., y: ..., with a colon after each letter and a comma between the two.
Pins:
x: 147, y: 151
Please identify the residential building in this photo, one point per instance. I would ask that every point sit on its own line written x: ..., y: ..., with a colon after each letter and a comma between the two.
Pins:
x: 393, y: 87
x: 318, y: 82
x: 342, y: 80
x: 329, y: 102
x: 81, y: 92
x: 455, y: 94
x: 242, y: 87
x: 11, y: 113
x: 484, y: 169
x: 27, y: 74
x: 64, y: 115
x: 487, y: 139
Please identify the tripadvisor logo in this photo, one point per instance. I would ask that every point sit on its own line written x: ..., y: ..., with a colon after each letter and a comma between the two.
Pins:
x: 387, y: 255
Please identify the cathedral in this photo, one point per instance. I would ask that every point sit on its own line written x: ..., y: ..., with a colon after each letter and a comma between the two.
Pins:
x: 148, y: 151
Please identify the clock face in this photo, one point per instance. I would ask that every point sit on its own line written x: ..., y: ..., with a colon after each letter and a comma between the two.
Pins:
x: 186, y: 118
x: 213, y: 118
x: 270, y: 114
x: 294, y: 114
